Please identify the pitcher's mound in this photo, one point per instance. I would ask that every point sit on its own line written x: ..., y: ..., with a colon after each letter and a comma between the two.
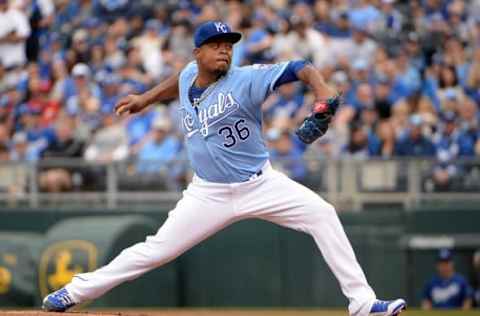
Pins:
x: 42, y: 313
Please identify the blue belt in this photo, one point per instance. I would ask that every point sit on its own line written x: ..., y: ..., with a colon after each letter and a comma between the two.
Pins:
x: 255, y: 175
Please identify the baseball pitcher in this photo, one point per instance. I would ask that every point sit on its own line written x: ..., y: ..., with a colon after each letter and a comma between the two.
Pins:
x: 233, y: 179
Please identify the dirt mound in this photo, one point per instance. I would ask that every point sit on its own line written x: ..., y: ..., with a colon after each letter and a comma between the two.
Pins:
x: 42, y: 313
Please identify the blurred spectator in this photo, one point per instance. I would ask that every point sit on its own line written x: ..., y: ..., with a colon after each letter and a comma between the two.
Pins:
x: 413, y: 142
x: 150, y: 48
x: 284, y: 103
x: 407, y: 78
x: 110, y: 92
x: 112, y: 9
x: 473, y: 80
x: 383, y: 98
x: 302, y: 42
x: 458, y: 26
x: 109, y: 143
x: 365, y: 15
x: 139, y: 125
x: 159, y: 149
x: 386, y: 135
x: 447, y: 289
x: 391, y: 20
x: 258, y: 42
x: 287, y: 156
x: 14, y: 31
x: 180, y: 41
x: 38, y: 99
x: 13, y: 177
x: 81, y: 80
x: 65, y: 145
x: 21, y: 150
x: 4, y: 135
x: 362, y: 143
x: 41, y: 15
x: 469, y: 123
x: 38, y: 136
x: 450, y: 144
x: 360, y: 47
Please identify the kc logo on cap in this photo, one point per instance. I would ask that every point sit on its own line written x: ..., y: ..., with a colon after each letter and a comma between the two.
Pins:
x: 221, y: 27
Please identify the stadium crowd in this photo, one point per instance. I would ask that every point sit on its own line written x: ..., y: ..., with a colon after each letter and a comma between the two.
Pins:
x: 409, y: 72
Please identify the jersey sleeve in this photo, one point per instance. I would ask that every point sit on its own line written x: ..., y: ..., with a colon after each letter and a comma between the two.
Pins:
x: 263, y: 78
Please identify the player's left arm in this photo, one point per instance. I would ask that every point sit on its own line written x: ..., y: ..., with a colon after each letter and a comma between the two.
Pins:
x: 327, y: 101
x: 312, y: 77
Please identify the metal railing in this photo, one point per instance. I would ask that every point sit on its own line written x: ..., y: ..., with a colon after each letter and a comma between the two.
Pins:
x: 348, y: 184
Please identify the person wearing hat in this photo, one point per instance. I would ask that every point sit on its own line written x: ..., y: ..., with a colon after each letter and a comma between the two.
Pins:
x: 448, y: 289
x: 414, y: 143
x: 81, y: 79
x: 221, y: 108
x: 159, y: 149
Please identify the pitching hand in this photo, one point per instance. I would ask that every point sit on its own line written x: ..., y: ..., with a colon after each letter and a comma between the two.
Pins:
x: 130, y: 104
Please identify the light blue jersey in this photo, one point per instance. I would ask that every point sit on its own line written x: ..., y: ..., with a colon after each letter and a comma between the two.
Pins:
x: 224, y: 140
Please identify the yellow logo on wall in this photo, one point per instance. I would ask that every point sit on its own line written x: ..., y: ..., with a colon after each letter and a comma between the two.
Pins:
x: 5, y: 280
x: 62, y: 260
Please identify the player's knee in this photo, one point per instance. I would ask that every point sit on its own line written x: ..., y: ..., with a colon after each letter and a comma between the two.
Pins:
x: 322, y: 209
x: 329, y: 209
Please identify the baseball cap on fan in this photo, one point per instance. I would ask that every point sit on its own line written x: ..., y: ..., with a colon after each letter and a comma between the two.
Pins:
x: 214, y: 30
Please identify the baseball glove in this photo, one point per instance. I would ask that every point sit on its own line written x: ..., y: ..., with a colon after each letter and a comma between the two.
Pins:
x: 315, y: 125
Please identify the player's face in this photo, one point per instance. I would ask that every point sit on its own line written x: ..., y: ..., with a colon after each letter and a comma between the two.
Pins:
x: 445, y: 269
x: 215, y: 56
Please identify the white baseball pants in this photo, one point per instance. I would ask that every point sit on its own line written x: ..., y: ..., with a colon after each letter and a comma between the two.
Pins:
x: 208, y: 207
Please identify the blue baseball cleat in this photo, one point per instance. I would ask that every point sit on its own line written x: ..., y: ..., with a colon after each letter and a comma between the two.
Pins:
x: 388, y: 308
x: 58, y: 301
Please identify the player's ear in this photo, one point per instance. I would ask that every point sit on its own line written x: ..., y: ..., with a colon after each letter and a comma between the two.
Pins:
x: 196, y: 52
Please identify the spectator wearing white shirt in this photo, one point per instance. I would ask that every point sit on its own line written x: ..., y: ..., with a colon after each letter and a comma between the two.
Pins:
x: 14, y: 31
x: 303, y: 42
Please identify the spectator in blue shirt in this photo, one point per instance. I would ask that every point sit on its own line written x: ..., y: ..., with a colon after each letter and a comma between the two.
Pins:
x: 287, y: 101
x: 414, y: 143
x: 37, y: 136
x: 362, y: 143
x: 160, y: 149
x: 285, y: 154
x: 339, y: 29
x: 451, y: 144
x: 447, y: 289
x: 81, y: 79
x: 110, y: 92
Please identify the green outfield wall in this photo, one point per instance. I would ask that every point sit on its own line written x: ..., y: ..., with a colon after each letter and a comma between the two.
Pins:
x: 251, y: 263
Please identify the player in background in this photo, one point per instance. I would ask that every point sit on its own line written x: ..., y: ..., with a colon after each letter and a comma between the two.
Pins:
x: 447, y: 289
x: 233, y: 179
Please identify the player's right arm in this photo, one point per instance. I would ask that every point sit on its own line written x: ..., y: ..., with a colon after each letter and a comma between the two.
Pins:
x: 134, y: 103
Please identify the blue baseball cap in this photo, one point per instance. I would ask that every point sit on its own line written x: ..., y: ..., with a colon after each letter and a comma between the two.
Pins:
x: 214, y: 30
x: 444, y: 255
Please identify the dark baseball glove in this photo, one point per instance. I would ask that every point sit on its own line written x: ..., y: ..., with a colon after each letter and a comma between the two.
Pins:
x: 316, y: 124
